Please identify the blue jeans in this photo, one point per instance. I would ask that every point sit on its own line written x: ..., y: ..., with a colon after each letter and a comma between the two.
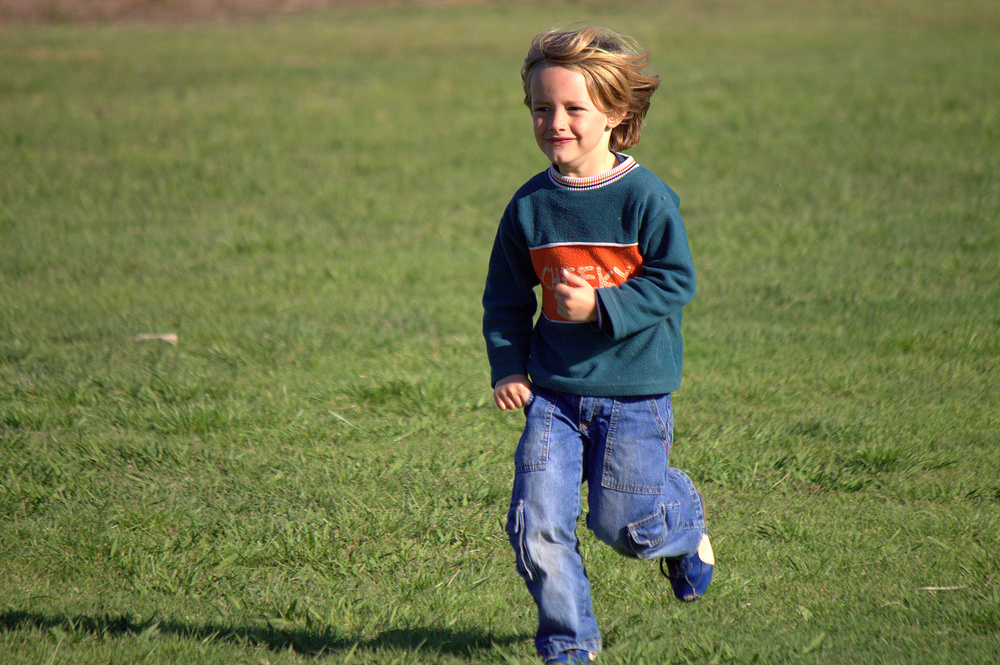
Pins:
x: 636, y: 502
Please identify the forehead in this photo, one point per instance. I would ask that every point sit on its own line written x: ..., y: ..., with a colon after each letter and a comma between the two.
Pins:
x: 553, y: 80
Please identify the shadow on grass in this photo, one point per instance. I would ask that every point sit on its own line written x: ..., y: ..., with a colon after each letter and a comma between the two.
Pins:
x: 316, y: 642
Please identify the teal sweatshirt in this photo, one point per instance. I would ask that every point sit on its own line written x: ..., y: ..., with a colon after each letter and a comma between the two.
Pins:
x: 622, y: 232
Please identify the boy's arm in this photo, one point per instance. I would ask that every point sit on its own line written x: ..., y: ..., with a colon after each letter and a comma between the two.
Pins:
x: 664, y: 285
x: 509, y: 305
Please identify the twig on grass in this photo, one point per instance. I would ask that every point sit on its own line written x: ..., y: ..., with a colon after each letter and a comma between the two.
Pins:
x: 166, y: 337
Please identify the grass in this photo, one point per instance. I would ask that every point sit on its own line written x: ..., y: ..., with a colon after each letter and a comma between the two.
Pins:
x: 315, y: 471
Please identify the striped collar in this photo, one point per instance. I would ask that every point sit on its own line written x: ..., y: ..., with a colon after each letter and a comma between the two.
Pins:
x: 624, y: 165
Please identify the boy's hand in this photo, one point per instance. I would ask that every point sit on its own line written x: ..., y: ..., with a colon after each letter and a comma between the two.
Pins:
x: 512, y: 392
x: 575, y: 298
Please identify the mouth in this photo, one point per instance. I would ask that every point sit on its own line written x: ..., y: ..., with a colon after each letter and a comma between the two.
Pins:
x: 559, y: 140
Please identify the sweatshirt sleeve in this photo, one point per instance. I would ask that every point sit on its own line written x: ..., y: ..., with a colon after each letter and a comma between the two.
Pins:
x: 666, y: 282
x: 509, y: 303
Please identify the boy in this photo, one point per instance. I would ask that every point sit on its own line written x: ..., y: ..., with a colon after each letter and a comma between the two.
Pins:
x: 603, y: 238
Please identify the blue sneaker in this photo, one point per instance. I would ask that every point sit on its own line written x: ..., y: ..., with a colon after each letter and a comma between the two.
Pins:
x: 571, y: 657
x: 690, y: 575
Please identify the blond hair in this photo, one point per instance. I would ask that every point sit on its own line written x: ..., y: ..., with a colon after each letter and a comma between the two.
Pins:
x: 613, y: 66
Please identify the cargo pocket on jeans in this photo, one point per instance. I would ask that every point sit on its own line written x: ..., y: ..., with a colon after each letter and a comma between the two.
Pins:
x: 515, y: 533
x: 635, y: 452
x: 648, y: 533
x: 532, y: 452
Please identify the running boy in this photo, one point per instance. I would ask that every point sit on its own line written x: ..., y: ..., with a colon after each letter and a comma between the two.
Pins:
x: 603, y: 238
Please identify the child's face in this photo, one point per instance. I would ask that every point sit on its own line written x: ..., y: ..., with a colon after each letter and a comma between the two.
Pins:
x: 569, y: 128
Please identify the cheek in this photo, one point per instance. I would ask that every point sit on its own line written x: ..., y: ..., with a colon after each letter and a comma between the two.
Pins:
x: 596, y: 132
x: 539, y: 127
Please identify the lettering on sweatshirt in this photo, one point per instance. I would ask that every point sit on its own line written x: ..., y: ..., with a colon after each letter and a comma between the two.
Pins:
x: 601, y: 264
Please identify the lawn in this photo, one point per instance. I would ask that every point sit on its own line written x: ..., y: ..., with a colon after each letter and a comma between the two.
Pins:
x: 245, y: 413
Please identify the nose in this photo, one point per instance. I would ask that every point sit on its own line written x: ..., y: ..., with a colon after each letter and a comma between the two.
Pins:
x: 559, y: 119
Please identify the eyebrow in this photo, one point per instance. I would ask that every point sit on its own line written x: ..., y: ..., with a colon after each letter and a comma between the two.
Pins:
x: 572, y: 102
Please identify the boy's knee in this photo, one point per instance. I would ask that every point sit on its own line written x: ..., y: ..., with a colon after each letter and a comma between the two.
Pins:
x: 636, y: 539
x: 666, y: 529
x: 537, y: 542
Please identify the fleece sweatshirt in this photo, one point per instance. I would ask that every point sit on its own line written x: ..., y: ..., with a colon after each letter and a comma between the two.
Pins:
x: 623, y: 233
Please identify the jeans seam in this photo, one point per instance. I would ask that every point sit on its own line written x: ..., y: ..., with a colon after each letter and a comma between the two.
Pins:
x: 654, y: 406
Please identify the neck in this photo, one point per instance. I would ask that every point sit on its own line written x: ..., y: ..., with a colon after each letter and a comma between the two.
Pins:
x: 608, y: 162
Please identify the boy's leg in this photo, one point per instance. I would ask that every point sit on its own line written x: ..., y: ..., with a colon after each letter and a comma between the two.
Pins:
x: 541, y: 525
x: 639, y: 504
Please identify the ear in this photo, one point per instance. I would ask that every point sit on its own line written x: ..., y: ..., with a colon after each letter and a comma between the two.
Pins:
x: 614, y: 119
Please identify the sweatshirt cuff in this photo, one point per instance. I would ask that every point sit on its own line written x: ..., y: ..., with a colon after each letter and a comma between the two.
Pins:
x: 603, y: 322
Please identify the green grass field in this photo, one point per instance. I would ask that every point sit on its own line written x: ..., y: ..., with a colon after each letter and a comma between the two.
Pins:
x: 315, y: 471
